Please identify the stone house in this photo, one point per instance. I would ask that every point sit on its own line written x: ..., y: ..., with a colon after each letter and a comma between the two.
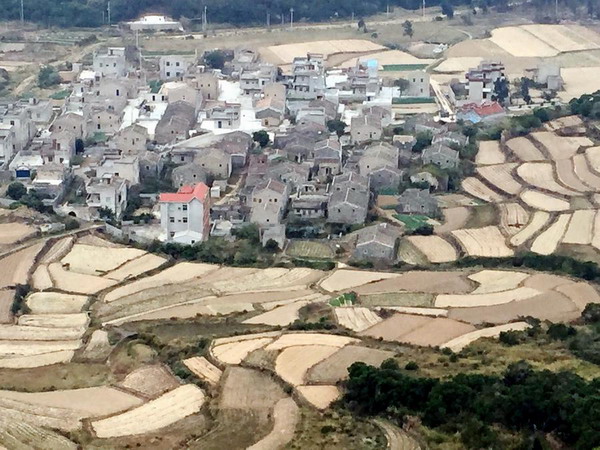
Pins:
x: 404, y: 141
x: 383, y: 112
x: 208, y: 84
x: 131, y: 140
x: 111, y: 62
x: 451, y: 138
x: 73, y: 122
x: 349, y: 199
x: 188, y: 174
x: 270, y: 111
x: 268, y: 202
x: 365, y: 128
x: 103, y: 120
x: 442, y: 156
x: 176, y: 123
x: 289, y: 173
x: 418, y: 201
x: 258, y: 167
x: 179, y: 91
x: 223, y: 115
x: 327, y: 157
x: 151, y: 165
x: 214, y: 161
x: 379, y: 162
x: 377, y: 243
x: 276, y: 91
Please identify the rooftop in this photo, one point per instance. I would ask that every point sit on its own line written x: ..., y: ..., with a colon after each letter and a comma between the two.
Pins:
x: 185, y: 194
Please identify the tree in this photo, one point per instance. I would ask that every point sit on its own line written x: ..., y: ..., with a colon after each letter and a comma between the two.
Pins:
x: 262, y: 137
x: 549, y: 95
x: 16, y: 190
x: 215, y: 59
x: 591, y: 313
x: 408, y: 28
x: 337, y: 126
x: 4, y: 79
x: 402, y: 84
x: 525, y: 90
x: 501, y: 91
x: 361, y: 24
x: 447, y: 10
x: 48, y: 77
x: 272, y: 246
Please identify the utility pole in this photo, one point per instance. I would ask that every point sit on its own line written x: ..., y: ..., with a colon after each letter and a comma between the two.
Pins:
x: 268, y: 20
x: 204, y: 19
x: 22, y: 12
x: 352, y: 16
x: 423, y: 9
x: 108, y: 11
x: 556, y: 10
x: 291, y: 18
x: 387, y: 10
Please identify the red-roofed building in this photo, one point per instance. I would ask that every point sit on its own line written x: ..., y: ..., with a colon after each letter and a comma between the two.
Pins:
x: 475, y: 113
x: 185, y: 215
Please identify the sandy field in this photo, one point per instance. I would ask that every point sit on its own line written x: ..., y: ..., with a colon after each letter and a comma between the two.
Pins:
x: 293, y: 363
x: 205, y: 370
x: 547, y: 242
x: 319, y: 396
x: 544, y: 281
x: 435, y: 249
x: 6, y: 300
x: 286, y: 415
x: 356, y: 318
x: 560, y: 147
x: 457, y: 344
x: 579, y: 81
x: 156, y: 414
x: 593, y: 158
x: 280, y: 316
x: 16, y: 267
x: 335, y: 368
x: 486, y: 241
x: 343, y: 279
x: 521, y: 43
x: 566, y: 175
x: 272, y: 279
x: 513, y: 217
x: 565, y: 38
x: 541, y: 175
x: 39, y: 360
x: 150, y: 381
x: 77, y: 282
x: 497, y: 280
x: 476, y: 188
x: 11, y: 233
x: 56, y: 303
x: 549, y: 305
x: 235, y: 352
x: 96, y: 241
x: 454, y: 218
x: 454, y: 200
x: 58, y: 250
x: 388, y: 57
x: 584, y: 173
x: 489, y: 153
x: 580, y: 293
x: 295, y: 339
x: 136, y: 267
x: 421, y: 281
x: 77, y: 320
x: 488, y: 299
x: 285, y: 54
x: 91, y: 260
x: 545, y: 202
x: 581, y: 227
x: 524, y: 149
x: 501, y: 177
x: 458, y: 65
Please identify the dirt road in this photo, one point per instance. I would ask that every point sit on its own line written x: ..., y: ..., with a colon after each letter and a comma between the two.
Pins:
x: 397, y: 439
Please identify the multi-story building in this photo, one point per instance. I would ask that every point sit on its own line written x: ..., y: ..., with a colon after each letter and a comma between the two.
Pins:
x: 480, y: 81
x: 173, y: 67
x: 111, y: 63
x: 308, y: 77
x: 108, y: 192
x: 17, y: 117
x: 252, y: 82
x: 185, y: 215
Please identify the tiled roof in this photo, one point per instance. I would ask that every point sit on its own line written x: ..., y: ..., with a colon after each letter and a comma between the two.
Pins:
x: 186, y: 194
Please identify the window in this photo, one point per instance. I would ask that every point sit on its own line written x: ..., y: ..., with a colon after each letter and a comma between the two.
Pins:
x: 172, y: 219
x: 172, y: 233
x: 118, y: 92
x: 168, y: 74
x: 185, y: 220
x: 168, y: 63
x: 12, y: 122
x: 184, y: 207
x: 193, y: 242
x: 177, y: 63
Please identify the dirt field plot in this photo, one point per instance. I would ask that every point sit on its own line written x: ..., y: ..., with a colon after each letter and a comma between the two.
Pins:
x: 205, y: 370
x: 280, y: 316
x: 343, y: 279
x: 476, y: 188
x: 80, y: 320
x: 356, y: 318
x: 150, y: 381
x: 17, y: 266
x: 454, y: 218
x: 489, y: 152
x: 335, y: 368
x: 387, y: 58
x: 544, y: 202
x: 56, y: 303
x: 538, y: 221
x: 541, y: 175
x: 566, y: 175
x: 285, y: 417
x: 294, y: 339
x: 565, y: 38
x: 457, y: 344
x: 512, y: 217
x: 524, y: 149
x: 156, y: 414
x: 293, y: 363
x: 58, y: 250
x: 560, y: 147
x: 68, y: 281
x: 547, y: 242
x: 38, y: 360
x: 486, y: 242
x: 272, y: 279
x: 487, y: 299
x: 92, y: 260
x: 11, y: 233
x: 579, y: 81
x: 136, y: 267
x: 6, y: 300
x: 26, y: 333
x: 596, y: 236
x: 235, y: 352
x: 497, y: 280
x: 458, y: 65
x: 564, y: 122
x: 580, y: 228
x: 249, y: 389
x: 319, y: 396
x: 419, y: 299
x: 420, y: 281
x: 584, y: 173
x: 284, y: 54
x: 309, y: 249
x: 17, y: 434
x: 435, y: 249
x: 9, y: 349
x: 580, y: 293
x: 40, y: 279
x: 521, y: 43
x: 501, y: 177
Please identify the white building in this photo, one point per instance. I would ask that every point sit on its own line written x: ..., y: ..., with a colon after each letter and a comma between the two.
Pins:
x: 111, y: 63
x: 173, y: 67
x: 185, y: 215
x: 154, y: 22
x: 480, y: 81
x: 108, y: 192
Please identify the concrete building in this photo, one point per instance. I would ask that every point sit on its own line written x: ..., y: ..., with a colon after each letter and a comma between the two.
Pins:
x: 111, y: 62
x: 252, y: 82
x: 208, y: 84
x: 223, y: 115
x: 549, y: 73
x: 155, y: 22
x: 17, y: 118
x: 418, y: 84
x: 308, y: 77
x: 480, y: 81
x: 185, y: 215
x: 125, y: 167
x: 173, y: 67
x: 108, y: 192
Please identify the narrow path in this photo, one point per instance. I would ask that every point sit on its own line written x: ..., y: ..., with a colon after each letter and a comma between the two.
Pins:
x: 396, y: 438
